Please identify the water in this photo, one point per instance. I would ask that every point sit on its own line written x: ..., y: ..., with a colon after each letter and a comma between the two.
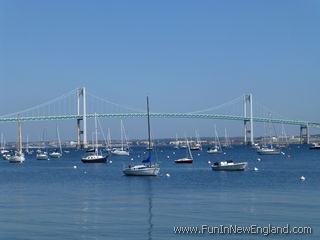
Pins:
x: 52, y: 200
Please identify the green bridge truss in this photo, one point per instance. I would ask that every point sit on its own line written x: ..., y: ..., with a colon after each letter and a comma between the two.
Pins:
x: 164, y: 115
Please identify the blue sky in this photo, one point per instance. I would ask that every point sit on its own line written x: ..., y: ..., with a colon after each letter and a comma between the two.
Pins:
x: 186, y: 55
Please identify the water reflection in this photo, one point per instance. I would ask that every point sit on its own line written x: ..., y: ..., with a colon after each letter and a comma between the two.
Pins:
x: 149, y: 200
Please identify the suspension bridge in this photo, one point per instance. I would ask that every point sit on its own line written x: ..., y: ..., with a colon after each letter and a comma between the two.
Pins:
x: 43, y: 112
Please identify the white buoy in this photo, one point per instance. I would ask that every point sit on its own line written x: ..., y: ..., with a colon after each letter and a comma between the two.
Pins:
x: 110, y: 161
x: 131, y: 159
x: 255, y: 169
x: 168, y: 156
x: 283, y: 153
x: 74, y: 166
x: 302, y: 178
x: 209, y: 162
x: 85, y: 172
x: 168, y: 175
x: 259, y: 159
x: 144, y: 152
x: 174, y: 153
x: 138, y: 156
x: 224, y: 153
x: 198, y: 154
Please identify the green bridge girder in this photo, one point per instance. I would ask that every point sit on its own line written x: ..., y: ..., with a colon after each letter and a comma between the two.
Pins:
x: 164, y: 115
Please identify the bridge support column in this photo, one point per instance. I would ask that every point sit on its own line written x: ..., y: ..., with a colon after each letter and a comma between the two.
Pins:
x: 304, y: 134
x: 81, y: 95
x: 248, y: 128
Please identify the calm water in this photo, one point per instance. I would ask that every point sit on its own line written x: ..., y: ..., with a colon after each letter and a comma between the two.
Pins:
x: 52, y: 200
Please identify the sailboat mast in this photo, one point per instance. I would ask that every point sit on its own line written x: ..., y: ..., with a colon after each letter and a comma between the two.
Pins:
x: 96, y: 129
x: 121, y: 123
x: 19, y: 136
x: 59, y: 140
x: 149, y: 134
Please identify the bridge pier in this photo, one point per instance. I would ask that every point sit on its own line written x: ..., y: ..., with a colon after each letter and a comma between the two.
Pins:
x: 248, y: 128
x: 81, y: 95
x: 304, y: 134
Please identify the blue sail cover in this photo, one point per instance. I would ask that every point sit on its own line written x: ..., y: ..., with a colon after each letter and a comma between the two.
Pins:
x: 147, y: 160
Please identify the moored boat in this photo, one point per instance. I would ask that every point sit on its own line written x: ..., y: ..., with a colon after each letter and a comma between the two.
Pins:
x: 315, y: 146
x: 229, y: 166
x: 148, y: 168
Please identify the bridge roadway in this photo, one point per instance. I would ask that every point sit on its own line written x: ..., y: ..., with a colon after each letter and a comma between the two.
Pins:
x: 164, y: 115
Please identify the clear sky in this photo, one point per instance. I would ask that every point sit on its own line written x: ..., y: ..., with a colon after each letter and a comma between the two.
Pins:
x: 186, y: 55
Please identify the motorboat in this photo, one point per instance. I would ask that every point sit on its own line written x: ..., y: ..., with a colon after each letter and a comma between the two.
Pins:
x: 229, y: 166
x: 315, y: 146
x: 268, y: 151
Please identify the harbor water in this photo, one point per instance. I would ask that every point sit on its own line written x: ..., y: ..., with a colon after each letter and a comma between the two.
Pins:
x: 66, y: 199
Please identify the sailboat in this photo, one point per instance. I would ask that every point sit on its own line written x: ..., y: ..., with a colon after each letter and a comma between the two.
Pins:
x: 217, y: 145
x: 188, y: 158
x: 227, y: 143
x: 95, y: 157
x: 109, y: 144
x: 56, y: 154
x: 197, y: 145
x: 41, y: 153
x: 19, y: 156
x: 122, y: 151
x: 147, y: 168
x: 28, y: 151
x: 176, y: 146
x: 269, y: 149
x: 3, y: 150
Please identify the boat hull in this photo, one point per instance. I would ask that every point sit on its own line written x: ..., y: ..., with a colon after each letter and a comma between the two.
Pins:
x: 55, y: 155
x: 233, y: 167
x: 148, y: 171
x: 269, y: 152
x: 96, y: 160
x: 17, y: 159
x: 184, y: 160
x: 120, y: 153
x: 44, y: 157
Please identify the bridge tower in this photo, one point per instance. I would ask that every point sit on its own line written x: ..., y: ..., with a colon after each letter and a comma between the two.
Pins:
x: 248, y: 128
x: 304, y: 134
x: 81, y: 99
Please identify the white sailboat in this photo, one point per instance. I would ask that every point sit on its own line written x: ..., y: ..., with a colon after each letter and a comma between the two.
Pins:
x: 188, y: 158
x: 217, y: 146
x: 195, y: 146
x: 147, y: 168
x: 42, y: 154
x: 28, y: 151
x: 269, y: 149
x: 123, y: 151
x: 19, y: 156
x: 95, y: 157
x: 3, y: 150
x: 56, y: 154
x: 227, y: 143
x: 176, y: 146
